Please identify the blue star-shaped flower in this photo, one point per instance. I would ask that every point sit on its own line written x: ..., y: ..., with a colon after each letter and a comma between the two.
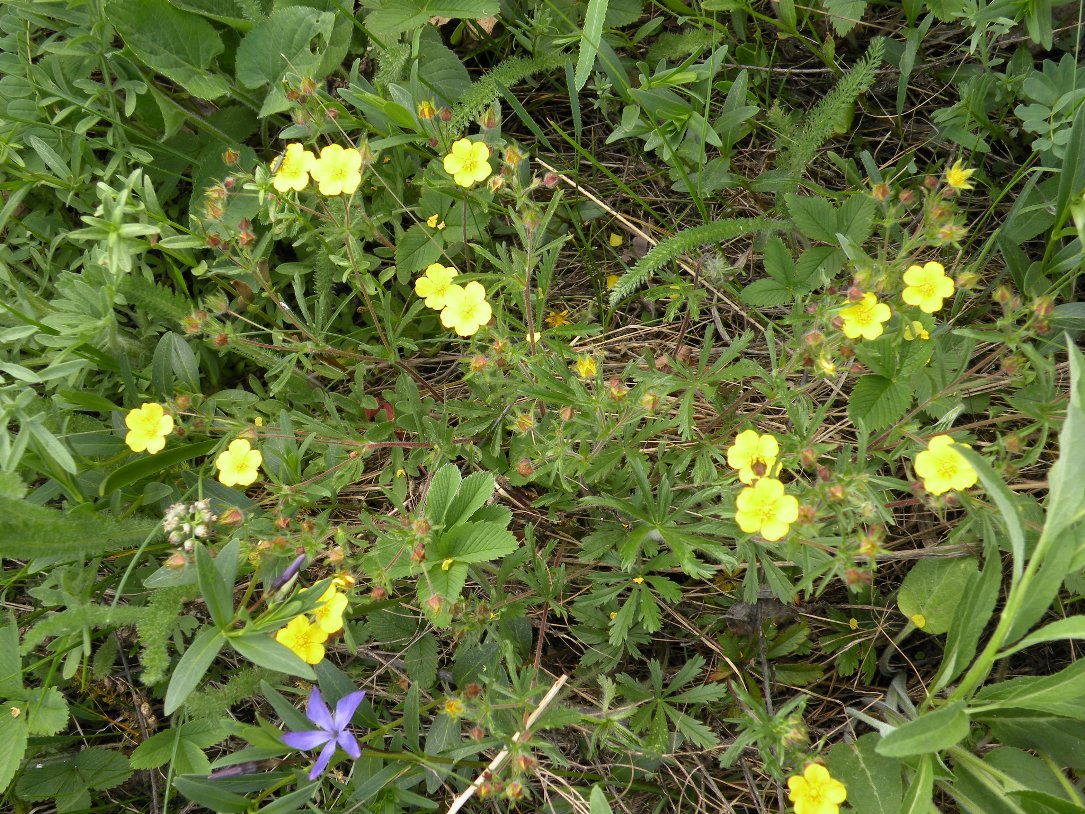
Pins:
x: 331, y: 729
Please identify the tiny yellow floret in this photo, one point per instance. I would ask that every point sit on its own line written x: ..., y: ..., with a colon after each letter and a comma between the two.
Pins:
x: 615, y: 240
x: 293, y: 172
x: 468, y: 163
x: 942, y: 468
x: 816, y: 791
x: 466, y: 309
x: 586, y: 368
x: 435, y: 222
x: 305, y: 639
x: 612, y: 280
x: 919, y: 620
x: 239, y: 464
x: 434, y: 284
x: 766, y: 509
x: 865, y: 318
x: 915, y: 330
x: 556, y: 319
x: 148, y: 425
x: 337, y: 171
x: 753, y: 455
x: 957, y: 176
x: 927, y: 286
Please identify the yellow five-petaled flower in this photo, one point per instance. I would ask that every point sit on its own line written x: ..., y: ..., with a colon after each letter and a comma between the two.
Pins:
x: 239, y: 464
x: 468, y: 163
x: 766, y: 509
x: 585, y: 367
x: 927, y: 286
x: 957, y: 176
x: 865, y: 317
x: 148, y: 425
x: 753, y: 455
x: 337, y: 171
x: 329, y: 613
x: 434, y: 284
x: 293, y: 172
x: 304, y: 638
x: 466, y: 309
x: 943, y: 468
x: 815, y: 791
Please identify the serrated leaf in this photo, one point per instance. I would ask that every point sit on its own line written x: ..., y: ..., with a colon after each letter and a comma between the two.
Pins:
x: 844, y: 14
x: 933, y: 589
x: 47, y: 711
x: 421, y: 661
x: 442, y: 489
x: 13, y: 737
x: 404, y: 15
x: 417, y: 248
x: 475, y: 542
x: 873, y: 781
x: 474, y: 491
x: 928, y: 734
x: 11, y: 665
x: 766, y: 293
x: 590, y: 35
x: 93, y: 768
x: 813, y: 216
x: 856, y: 218
x: 876, y: 402
x: 440, y: 71
x: 171, y: 42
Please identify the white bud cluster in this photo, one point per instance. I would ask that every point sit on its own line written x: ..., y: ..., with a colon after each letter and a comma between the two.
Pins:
x: 185, y: 523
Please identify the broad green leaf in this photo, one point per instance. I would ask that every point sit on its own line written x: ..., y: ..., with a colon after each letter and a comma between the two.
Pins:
x: 441, y: 72
x: 813, y: 216
x: 933, y: 589
x: 445, y: 584
x: 872, y: 780
x: 1039, y: 802
x: 47, y: 711
x: 217, y: 595
x: 211, y: 795
x: 49, y: 446
x: 13, y: 736
x: 148, y: 466
x: 475, y: 542
x: 1066, y: 499
x: 1006, y: 503
x: 417, y: 248
x: 844, y: 14
x: 174, y: 360
x: 442, y: 489
x: 160, y: 748
x: 421, y: 660
x: 928, y: 734
x: 1046, y: 733
x: 473, y: 493
x: 11, y: 666
x: 172, y: 42
x: 971, y: 617
x: 191, y: 668
x: 1061, y: 692
x: 597, y: 802
x: 93, y: 768
x: 877, y: 402
x: 917, y: 797
x: 590, y: 35
x: 232, y: 12
x: 855, y: 218
x: 1062, y: 630
x: 264, y: 651
x: 766, y: 293
x: 395, y: 16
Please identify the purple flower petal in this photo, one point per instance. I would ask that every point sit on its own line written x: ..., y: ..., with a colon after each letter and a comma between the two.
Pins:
x: 345, y: 709
x: 317, y: 712
x: 322, y: 761
x: 349, y: 745
x: 304, y: 741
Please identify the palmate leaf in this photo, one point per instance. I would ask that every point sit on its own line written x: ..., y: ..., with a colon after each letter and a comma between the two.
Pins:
x: 475, y: 542
x: 876, y: 402
x: 394, y: 16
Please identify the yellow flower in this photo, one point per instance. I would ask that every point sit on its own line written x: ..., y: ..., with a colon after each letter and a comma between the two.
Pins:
x: 306, y: 640
x: 865, y: 318
x: 827, y: 365
x: 927, y: 286
x: 426, y: 110
x: 555, y: 319
x: 453, y: 708
x: 915, y: 330
x: 585, y: 367
x: 615, y: 240
x: 638, y: 580
x: 337, y: 171
x: 816, y: 791
x: 853, y: 623
x: 612, y: 280
x: 466, y: 309
x: 468, y: 163
x: 957, y: 176
x: 753, y: 455
x: 293, y: 172
x: 919, y: 620
x: 148, y: 425
x: 434, y: 284
x: 239, y: 464
x: 344, y: 581
x: 435, y: 222
x: 329, y: 613
x: 942, y: 468
x: 764, y: 508
x: 446, y: 564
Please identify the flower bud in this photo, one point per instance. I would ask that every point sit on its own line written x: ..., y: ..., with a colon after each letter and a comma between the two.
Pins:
x: 446, y: 114
x: 378, y: 594
x: 813, y: 338
x: 880, y: 192
x: 906, y: 196
x: 1043, y: 306
x: 418, y: 553
x: 550, y: 179
x: 426, y: 110
x: 566, y: 413
x: 231, y: 157
x: 524, y: 468
x: 808, y: 457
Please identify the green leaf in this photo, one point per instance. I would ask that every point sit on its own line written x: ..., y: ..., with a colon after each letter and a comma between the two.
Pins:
x: 1048, y: 734
x: 872, y: 780
x: 93, y: 768
x: 475, y: 542
x: 47, y: 711
x: 1040, y: 802
x: 442, y: 489
x: 28, y: 531
x: 1066, y: 498
x: 856, y: 217
x: 972, y: 615
x: 174, y: 360
x: 162, y: 747
x: 933, y: 588
x: 50, y: 446
x: 264, y: 651
x: 417, y: 248
x: 281, y: 48
x: 211, y: 795
x: 844, y: 14
x: 877, y: 402
x: 1060, y: 693
x: 917, y: 798
x: 597, y: 802
x: 217, y: 595
x: 1006, y: 503
x: 171, y: 42
x: 473, y: 493
x: 13, y: 736
x: 149, y: 466
x: 1062, y: 630
x: 928, y: 734
x: 193, y: 665
x: 421, y: 660
x: 395, y: 16
x: 446, y: 584
x: 813, y: 216
x: 766, y: 293
x: 11, y: 666
x: 590, y: 36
